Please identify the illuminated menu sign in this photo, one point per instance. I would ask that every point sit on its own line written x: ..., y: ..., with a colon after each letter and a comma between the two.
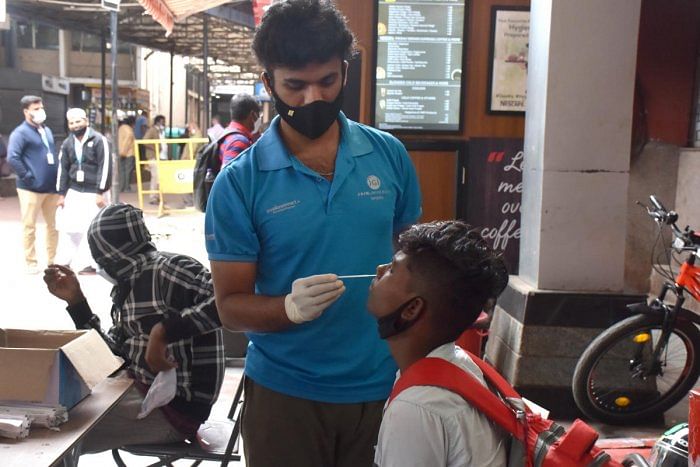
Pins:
x: 419, y: 64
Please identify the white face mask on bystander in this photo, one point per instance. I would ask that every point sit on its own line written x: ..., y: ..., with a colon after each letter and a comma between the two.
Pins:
x: 38, y: 116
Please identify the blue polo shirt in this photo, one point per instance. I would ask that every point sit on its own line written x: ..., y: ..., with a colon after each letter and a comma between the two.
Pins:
x: 268, y: 208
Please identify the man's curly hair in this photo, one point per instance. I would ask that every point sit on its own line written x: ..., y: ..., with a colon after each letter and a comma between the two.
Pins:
x: 455, y: 267
x: 295, y: 33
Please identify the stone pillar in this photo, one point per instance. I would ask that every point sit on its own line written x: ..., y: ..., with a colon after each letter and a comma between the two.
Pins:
x: 574, y: 208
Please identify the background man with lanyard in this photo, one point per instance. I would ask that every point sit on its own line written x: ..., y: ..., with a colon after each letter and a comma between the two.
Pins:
x: 31, y: 154
x: 84, y: 179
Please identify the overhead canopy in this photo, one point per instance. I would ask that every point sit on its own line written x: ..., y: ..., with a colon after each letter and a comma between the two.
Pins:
x: 166, y: 12
x: 230, y: 29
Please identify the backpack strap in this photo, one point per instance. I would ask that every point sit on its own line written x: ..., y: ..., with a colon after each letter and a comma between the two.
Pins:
x: 228, y: 132
x: 431, y: 371
x: 208, y: 155
x: 494, y: 378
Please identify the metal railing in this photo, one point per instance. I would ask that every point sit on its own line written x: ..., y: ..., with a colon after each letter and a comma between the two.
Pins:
x: 172, y: 176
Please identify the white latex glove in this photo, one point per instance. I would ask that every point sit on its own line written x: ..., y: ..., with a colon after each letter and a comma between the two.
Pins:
x: 311, y: 295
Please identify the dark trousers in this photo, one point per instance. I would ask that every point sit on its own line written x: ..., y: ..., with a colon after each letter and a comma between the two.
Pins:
x: 282, y: 430
x: 126, y: 168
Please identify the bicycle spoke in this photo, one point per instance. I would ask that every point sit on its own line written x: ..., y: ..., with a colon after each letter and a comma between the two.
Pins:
x: 620, y: 393
x: 628, y: 373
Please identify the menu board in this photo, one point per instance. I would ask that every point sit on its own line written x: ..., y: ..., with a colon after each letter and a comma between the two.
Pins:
x: 418, y: 83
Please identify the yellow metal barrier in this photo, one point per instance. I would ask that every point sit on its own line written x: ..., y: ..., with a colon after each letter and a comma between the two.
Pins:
x: 171, y: 176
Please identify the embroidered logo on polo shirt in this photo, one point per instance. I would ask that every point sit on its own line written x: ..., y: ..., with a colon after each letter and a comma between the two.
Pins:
x: 283, y: 207
x: 374, y: 193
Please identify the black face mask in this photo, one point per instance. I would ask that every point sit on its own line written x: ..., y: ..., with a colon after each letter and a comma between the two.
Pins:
x: 392, y: 324
x: 311, y: 120
x: 79, y: 132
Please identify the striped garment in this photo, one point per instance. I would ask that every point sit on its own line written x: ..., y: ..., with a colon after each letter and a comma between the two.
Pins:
x: 234, y: 144
x: 91, y: 155
x: 154, y: 287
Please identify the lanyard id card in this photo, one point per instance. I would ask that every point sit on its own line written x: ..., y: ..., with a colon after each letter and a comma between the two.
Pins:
x: 80, y: 176
x: 45, y: 140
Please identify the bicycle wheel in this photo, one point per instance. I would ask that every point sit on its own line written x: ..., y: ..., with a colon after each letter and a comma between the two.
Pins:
x: 612, y: 381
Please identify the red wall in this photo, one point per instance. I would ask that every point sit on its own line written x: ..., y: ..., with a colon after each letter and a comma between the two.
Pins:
x: 666, y: 61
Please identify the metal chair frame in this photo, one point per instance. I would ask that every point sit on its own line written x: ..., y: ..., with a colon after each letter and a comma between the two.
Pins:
x: 168, y: 453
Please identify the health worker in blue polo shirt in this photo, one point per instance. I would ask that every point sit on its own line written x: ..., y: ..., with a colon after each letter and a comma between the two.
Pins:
x: 317, y: 197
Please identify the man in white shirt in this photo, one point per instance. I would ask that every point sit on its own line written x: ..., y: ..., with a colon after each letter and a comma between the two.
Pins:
x: 83, y: 182
x: 434, y: 288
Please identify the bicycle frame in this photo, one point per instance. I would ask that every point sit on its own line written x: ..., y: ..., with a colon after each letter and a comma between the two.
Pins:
x: 688, y: 279
x: 660, y: 350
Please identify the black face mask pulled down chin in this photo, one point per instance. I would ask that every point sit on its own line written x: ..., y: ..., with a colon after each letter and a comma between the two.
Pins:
x: 392, y: 324
x: 311, y: 120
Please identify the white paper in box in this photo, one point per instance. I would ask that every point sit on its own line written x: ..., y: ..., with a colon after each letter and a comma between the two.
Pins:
x: 52, y: 367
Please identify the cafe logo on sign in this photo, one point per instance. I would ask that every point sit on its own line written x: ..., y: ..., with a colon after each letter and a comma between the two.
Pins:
x: 494, y: 189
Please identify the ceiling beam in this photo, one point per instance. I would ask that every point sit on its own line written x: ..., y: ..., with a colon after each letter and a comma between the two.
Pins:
x: 232, y: 15
x: 230, y: 43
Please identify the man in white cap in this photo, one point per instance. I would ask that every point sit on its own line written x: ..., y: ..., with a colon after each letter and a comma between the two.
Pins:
x: 83, y: 182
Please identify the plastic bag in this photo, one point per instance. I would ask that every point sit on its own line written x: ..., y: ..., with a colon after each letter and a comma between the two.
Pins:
x: 160, y: 393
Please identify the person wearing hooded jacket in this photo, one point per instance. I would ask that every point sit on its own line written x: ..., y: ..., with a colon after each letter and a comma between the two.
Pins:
x: 164, y: 316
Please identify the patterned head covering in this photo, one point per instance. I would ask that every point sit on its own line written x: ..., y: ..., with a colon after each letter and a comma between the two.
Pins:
x: 118, y: 239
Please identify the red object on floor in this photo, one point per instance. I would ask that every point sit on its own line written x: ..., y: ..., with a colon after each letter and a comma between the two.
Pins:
x: 619, y: 448
x: 472, y: 338
x: 694, y: 428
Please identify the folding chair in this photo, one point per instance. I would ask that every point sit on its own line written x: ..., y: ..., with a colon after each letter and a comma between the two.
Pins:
x: 190, y: 449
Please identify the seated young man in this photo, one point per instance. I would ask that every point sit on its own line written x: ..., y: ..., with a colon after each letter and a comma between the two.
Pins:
x: 434, y: 288
x: 164, y: 316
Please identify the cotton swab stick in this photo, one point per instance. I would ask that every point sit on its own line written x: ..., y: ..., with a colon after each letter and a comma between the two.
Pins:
x: 356, y: 276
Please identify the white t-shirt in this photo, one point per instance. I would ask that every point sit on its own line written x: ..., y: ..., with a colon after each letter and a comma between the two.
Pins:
x: 428, y: 426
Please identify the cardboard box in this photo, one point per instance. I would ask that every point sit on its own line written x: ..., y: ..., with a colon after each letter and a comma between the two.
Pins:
x: 52, y: 367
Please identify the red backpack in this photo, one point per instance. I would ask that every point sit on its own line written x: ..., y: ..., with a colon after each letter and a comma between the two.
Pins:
x: 538, y: 442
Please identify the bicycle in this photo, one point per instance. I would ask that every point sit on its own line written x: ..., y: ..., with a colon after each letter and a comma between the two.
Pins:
x: 646, y: 363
